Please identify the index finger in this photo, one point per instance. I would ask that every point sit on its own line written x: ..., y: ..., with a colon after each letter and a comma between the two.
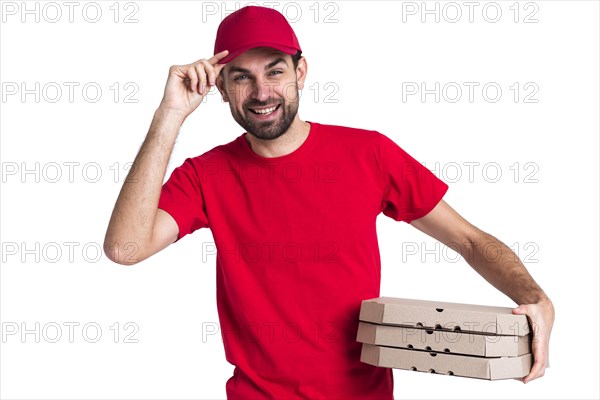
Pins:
x: 215, y: 59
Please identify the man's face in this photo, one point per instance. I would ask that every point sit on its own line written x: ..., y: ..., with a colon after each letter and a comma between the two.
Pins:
x: 257, y: 81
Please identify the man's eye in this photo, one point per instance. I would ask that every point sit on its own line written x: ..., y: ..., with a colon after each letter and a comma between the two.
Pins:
x: 276, y: 71
x: 239, y: 77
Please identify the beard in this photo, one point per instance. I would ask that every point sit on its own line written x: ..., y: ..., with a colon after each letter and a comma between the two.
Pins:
x: 268, y: 130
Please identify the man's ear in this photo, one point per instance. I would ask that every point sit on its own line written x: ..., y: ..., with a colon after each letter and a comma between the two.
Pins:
x: 301, y: 72
x: 221, y: 86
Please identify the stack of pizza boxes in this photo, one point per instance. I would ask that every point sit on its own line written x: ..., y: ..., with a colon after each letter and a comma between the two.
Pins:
x: 446, y: 338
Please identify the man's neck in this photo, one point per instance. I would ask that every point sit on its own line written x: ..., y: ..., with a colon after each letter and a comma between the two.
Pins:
x: 284, y: 144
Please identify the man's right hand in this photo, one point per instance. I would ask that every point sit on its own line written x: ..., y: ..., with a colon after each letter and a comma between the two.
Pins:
x: 188, y: 84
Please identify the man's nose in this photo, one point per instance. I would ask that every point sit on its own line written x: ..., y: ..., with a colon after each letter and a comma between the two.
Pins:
x: 263, y: 90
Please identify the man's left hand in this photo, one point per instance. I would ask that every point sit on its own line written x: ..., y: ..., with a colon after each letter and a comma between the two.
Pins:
x: 541, y: 318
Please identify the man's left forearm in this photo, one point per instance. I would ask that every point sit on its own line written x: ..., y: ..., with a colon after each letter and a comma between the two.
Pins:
x: 501, y: 267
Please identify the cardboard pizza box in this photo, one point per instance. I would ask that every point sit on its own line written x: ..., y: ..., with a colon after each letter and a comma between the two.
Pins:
x: 447, y: 316
x: 469, y: 343
x: 450, y: 364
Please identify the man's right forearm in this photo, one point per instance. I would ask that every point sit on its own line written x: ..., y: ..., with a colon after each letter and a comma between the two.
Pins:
x: 132, y: 219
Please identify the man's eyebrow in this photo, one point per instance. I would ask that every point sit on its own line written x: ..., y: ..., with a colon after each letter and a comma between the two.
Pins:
x: 269, y: 65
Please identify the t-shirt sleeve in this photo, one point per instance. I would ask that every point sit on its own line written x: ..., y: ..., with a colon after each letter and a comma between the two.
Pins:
x: 410, y: 190
x: 181, y: 196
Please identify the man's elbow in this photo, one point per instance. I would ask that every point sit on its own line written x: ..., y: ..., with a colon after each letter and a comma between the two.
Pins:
x: 122, y: 253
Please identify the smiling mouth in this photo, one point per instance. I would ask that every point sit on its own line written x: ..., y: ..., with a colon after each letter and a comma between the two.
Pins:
x: 264, y: 111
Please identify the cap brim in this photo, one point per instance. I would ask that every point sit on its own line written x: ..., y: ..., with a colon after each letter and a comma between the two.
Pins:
x: 236, y: 52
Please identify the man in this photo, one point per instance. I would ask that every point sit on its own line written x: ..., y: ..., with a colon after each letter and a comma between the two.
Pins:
x: 292, y: 207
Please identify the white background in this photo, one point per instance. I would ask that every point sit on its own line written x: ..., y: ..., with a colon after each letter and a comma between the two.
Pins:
x: 367, y: 54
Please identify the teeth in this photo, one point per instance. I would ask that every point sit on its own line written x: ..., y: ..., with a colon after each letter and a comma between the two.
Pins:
x: 266, y: 111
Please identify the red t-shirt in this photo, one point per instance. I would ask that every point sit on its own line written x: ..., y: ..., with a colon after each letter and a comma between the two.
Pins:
x: 297, y: 252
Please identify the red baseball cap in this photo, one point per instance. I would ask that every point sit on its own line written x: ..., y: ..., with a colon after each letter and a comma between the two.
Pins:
x: 254, y: 26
